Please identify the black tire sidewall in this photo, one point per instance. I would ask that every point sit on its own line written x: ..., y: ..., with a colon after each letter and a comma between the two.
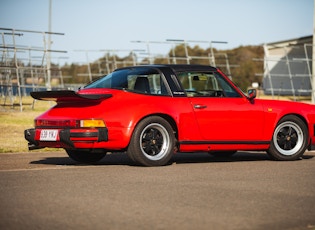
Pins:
x: 275, y: 154
x: 134, y: 150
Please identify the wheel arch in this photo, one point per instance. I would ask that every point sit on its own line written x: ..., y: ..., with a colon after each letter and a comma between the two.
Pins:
x: 296, y: 115
x: 167, y: 125
x: 279, y: 150
x: 272, y: 121
x: 167, y: 117
x: 303, y: 119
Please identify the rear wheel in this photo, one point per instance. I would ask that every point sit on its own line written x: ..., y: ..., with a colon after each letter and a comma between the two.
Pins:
x: 85, y: 156
x: 289, y: 140
x: 152, y: 142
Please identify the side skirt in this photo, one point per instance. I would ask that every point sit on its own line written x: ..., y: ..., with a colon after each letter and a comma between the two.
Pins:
x: 206, y: 146
x: 224, y: 142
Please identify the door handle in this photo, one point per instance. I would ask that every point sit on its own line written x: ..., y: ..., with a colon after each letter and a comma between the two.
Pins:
x: 200, y: 106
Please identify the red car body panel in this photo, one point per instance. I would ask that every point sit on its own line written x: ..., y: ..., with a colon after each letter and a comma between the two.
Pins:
x: 218, y: 122
x: 200, y: 123
x: 119, y: 128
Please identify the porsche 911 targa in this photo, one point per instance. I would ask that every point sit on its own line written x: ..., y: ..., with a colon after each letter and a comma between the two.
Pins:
x: 151, y: 112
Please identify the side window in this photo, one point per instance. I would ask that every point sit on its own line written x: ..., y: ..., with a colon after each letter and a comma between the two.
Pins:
x: 143, y: 80
x: 198, y: 84
x: 148, y: 84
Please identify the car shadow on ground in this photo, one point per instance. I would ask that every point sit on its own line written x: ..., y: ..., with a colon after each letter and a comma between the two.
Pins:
x: 178, y: 158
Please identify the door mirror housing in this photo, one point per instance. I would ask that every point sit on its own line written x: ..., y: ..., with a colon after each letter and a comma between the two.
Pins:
x: 251, y: 94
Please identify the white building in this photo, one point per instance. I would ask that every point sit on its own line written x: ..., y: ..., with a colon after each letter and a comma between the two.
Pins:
x: 288, y: 67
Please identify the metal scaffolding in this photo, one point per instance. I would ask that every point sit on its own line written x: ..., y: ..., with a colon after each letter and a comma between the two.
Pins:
x: 27, y: 68
x: 174, y: 59
x: 24, y: 68
x: 110, y: 61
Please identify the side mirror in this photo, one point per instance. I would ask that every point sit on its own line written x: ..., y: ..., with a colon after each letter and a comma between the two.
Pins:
x: 251, y: 94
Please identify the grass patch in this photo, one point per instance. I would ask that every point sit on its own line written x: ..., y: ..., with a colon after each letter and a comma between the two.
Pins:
x: 14, y: 122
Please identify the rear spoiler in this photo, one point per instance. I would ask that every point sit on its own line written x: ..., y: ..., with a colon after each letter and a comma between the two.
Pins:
x: 66, y: 95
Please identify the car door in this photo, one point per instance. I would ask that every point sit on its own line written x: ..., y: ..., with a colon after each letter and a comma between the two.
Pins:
x: 222, y: 112
x: 228, y: 119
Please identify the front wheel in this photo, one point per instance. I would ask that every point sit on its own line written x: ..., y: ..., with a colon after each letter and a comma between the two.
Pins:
x: 85, y: 156
x: 289, y: 140
x: 152, y: 143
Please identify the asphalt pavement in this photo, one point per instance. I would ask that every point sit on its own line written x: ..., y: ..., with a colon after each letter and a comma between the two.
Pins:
x: 47, y: 190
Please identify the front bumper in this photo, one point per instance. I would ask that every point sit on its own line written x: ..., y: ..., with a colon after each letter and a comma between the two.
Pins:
x: 67, y: 138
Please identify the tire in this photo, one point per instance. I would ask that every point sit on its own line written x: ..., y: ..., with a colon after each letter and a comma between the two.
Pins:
x: 289, y: 140
x: 222, y: 153
x: 85, y: 156
x: 152, y: 142
x: 131, y: 157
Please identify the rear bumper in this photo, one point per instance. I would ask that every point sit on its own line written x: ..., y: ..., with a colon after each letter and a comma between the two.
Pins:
x: 67, y: 138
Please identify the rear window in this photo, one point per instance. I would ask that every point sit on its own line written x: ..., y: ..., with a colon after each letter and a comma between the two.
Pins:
x: 139, y: 80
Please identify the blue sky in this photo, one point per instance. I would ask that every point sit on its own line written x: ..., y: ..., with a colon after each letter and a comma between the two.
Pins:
x: 113, y: 24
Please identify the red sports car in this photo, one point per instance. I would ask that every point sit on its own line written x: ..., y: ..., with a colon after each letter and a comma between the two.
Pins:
x: 154, y: 111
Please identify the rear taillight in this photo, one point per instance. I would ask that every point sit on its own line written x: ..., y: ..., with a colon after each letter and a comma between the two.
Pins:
x: 56, y: 123
x: 87, y: 123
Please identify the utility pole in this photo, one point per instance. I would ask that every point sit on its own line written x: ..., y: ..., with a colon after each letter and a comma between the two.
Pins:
x: 48, y: 83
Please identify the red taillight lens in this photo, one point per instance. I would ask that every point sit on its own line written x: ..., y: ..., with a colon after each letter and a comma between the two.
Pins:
x: 56, y: 123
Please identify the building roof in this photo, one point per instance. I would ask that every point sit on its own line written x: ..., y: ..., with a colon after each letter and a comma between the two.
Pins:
x: 291, y: 42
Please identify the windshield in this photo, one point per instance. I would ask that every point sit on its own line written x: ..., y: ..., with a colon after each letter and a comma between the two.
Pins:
x: 140, y: 80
